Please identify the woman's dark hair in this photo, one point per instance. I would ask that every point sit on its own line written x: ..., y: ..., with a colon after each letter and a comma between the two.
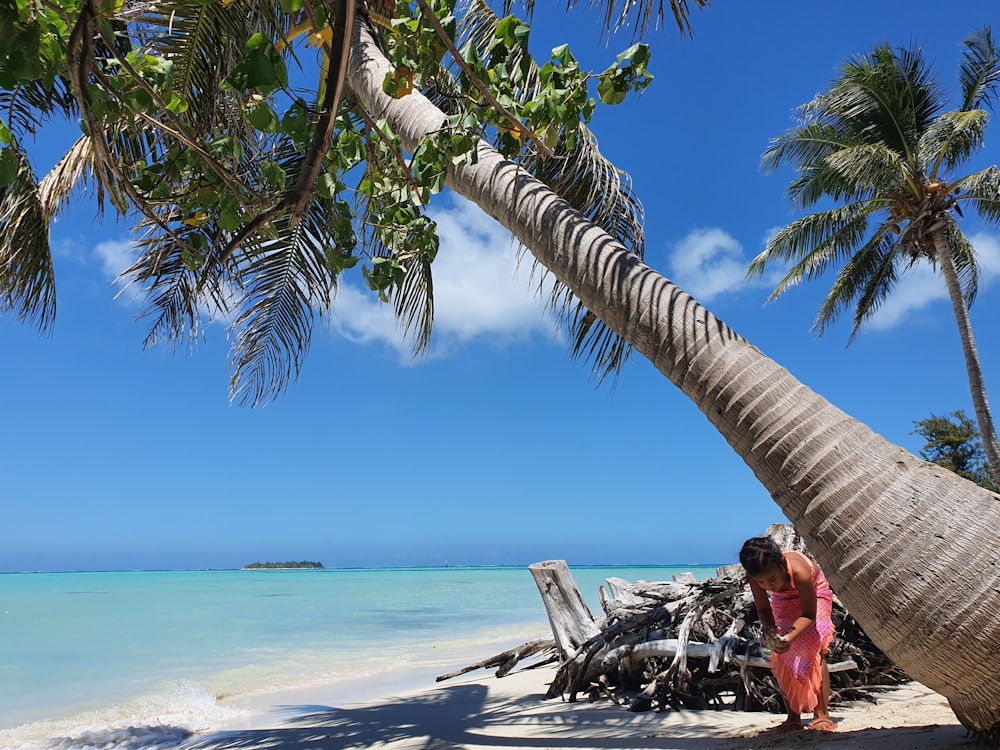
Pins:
x: 759, y: 554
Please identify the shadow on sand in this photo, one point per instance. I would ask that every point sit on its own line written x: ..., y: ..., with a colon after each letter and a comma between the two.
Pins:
x: 461, y: 717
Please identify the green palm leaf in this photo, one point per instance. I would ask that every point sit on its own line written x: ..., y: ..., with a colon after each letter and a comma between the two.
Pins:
x: 285, y: 285
x: 982, y: 190
x: 865, y: 280
x: 951, y: 139
x: 27, y: 282
x: 866, y: 169
x: 888, y: 96
x: 979, y: 75
x: 814, y: 243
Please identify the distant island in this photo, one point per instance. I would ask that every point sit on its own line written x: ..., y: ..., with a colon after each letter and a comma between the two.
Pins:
x: 284, y: 565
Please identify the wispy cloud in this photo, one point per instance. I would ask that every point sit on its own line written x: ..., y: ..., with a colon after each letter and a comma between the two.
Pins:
x: 480, y: 291
x: 709, y: 263
x: 114, y: 257
x: 923, y: 286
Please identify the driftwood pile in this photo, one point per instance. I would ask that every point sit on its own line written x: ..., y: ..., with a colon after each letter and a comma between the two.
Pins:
x: 680, y: 644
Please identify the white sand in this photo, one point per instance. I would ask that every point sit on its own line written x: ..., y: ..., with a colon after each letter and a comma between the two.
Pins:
x: 480, y: 712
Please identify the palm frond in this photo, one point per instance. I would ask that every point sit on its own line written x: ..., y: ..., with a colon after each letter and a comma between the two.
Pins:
x: 27, y: 281
x: 866, y: 169
x: 642, y: 15
x: 864, y: 281
x: 982, y: 190
x: 590, y: 338
x: 814, y: 243
x: 174, y: 297
x: 68, y: 174
x: 952, y: 138
x: 811, y: 149
x: 979, y: 73
x: 27, y: 108
x: 888, y: 96
x: 806, y: 144
x: 413, y: 301
x: 204, y: 42
x: 285, y: 284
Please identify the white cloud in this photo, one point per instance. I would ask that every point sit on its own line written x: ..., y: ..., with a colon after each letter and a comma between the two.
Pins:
x: 922, y: 286
x: 988, y: 249
x: 708, y: 263
x: 480, y: 292
x: 115, y: 256
x: 917, y: 288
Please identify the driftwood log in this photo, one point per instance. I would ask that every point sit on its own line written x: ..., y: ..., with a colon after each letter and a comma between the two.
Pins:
x: 681, y: 644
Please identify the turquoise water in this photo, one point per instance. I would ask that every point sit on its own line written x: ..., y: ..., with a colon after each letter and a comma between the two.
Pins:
x: 99, y: 654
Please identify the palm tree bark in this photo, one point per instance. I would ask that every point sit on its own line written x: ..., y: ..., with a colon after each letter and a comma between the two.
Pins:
x: 910, y: 547
x: 987, y: 430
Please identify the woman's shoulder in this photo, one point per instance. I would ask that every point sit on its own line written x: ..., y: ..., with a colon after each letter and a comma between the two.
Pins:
x: 800, y: 561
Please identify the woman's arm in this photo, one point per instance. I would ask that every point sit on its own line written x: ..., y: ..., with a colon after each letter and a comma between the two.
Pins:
x: 763, y: 605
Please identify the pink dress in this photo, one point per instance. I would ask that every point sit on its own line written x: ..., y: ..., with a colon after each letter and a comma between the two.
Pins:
x: 799, y: 669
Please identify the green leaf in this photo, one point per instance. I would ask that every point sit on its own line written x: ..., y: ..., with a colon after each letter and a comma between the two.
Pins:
x: 297, y: 125
x: 228, y: 220
x: 272, y: 174
x: 8, y: 166
x: 563, y: 55
x: 327, y: 185
x: 264, y: 118
x: 611, y: 87
x: 177, y: 105
x: 337, y: 260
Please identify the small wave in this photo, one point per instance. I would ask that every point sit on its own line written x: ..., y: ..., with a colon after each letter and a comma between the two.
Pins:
x: 130, y: 738
x: 154, y: 722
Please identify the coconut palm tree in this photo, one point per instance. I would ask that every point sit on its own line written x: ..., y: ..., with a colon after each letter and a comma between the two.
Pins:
x: 891, y: 529
x: 909, y: 546
x: 881, y: 143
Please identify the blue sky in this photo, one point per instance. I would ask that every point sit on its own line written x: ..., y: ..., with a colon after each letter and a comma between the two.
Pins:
x: 497, y: 449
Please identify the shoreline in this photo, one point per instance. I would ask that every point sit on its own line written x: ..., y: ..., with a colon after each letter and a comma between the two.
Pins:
x: 479, y: 711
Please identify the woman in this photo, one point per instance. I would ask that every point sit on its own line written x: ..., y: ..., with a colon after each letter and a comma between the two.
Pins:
x: 795, y: 605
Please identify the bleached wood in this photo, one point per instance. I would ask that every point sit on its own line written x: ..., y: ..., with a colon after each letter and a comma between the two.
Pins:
x: 569, y: 617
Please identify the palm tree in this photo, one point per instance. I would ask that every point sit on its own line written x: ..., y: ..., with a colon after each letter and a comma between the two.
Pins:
x: 890, y: 528
x: 881, y: 143
x: 909, y: 546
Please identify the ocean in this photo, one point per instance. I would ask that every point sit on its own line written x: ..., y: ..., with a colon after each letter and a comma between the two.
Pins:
x: 139, y: 660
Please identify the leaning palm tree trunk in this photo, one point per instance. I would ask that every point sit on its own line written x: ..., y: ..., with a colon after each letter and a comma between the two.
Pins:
x: 910, y: 547
x: 977, y: 387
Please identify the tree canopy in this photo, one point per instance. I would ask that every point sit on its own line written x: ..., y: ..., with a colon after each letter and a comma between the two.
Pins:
x: 882, y: 144
x: 953, y: 442
x: 222, y: 129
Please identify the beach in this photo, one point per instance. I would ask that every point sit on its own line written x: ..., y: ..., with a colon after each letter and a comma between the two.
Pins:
x: 322, y: 660
x: 479, y: 711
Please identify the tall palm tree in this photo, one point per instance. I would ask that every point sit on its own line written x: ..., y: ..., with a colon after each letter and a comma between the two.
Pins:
x: 909, y: 546
x: 881, y: 142
x: 897, y: 534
